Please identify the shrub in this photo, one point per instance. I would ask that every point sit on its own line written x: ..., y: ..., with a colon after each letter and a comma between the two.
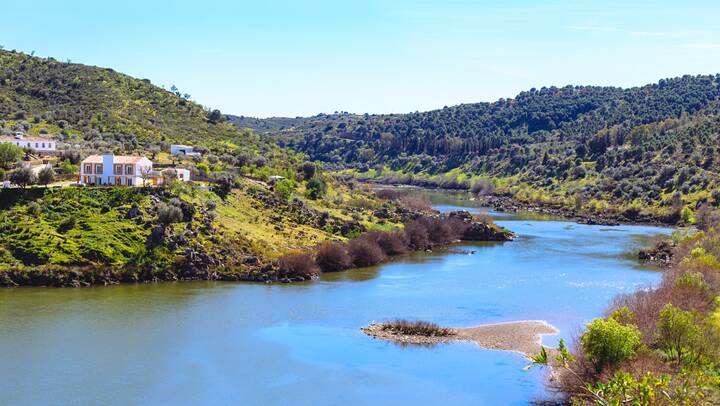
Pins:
x: 482, y: 187
x: 316, y: 188
x: 332, y: 257
x: 46, y: 175
x: 392, y: 243
x: 296, y: 265
x: 364, y: 251
x: 23, y: 176
x: 679, y: 335
x: 67, y: 224
x: 417, y: 328
x: 168, y: 214
x: 623, y: 315
x: 440, y: 231
x: 607, y: 342
x: 284, y: 188
x: 9, y: 153
x: 308, y: 170
x: 416, y: 235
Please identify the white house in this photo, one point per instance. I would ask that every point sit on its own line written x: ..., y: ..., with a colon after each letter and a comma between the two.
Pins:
x: 178, y: 149
x: 120, y: 170
x: 35, y: 143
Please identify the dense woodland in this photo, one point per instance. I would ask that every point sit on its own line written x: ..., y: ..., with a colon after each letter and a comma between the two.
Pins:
x: 655, y: 145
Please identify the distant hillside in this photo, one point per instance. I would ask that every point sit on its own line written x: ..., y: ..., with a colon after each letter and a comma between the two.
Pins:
x: 605, y: 143
x: 80, y: 99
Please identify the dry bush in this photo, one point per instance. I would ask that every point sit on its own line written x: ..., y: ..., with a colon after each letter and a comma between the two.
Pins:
x: 365, y: 251
x: 295, y: 265
x: 332, y: 257
x: 646, y: 304
x: 388, y: 194
x: 482, y: 187
x: 392, y: 243
x: 416, y: 328
x: 414, y: 203
x: 440, y: 231
x: 416, y: 235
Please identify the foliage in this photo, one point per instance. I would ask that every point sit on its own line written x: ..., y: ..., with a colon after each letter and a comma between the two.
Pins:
x: 9, y: 153
x: 315, y: 188
x: 46, y: 175
x: 23, y: 176
x: 416, y: 328
x: 284, y: 188
x: 607, y: 342
x: 679, y: 334
x: 332, y: 257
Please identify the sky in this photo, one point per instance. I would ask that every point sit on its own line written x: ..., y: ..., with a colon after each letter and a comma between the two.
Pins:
x: 299, y: 58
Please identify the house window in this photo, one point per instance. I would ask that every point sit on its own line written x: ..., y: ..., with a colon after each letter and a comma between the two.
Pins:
x: 129, y: 182
x: 88, y: 168
x: 129, y: 169
x: 98, y: 168
x: 120, y: 181
x: 36, y: 145
x: 43, y: 145
x: 118, y: 169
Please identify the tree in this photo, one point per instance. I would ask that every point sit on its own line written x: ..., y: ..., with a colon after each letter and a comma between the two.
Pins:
x: 678, y: 334
x: 308, y: 169
x: 607, y: 342
x: 284, y: 188
x: 23, y: 176
x: 46, y: 175
x: 224, y: 184
x: 145, y: 172
x: 9, y: 154
x: 215, y: 116
x: 316, y: 188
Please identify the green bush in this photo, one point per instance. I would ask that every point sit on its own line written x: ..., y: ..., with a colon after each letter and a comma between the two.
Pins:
x: 316, y: 188
x: 284, y: 188
x: 679, y: 334
x: 607, y: 342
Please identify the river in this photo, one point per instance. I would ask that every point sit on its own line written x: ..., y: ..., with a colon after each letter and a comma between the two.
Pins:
x: 215, y: 343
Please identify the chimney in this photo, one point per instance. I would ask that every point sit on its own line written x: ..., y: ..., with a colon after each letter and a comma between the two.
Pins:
x: 19, y: 135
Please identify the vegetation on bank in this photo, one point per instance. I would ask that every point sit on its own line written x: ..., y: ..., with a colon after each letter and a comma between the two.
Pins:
x: 416, y: 328
x: 596, y: 149
x: 659, y: 346
x: 423, y: 232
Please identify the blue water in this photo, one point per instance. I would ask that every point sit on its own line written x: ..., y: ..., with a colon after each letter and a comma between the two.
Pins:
x: 235, y: 343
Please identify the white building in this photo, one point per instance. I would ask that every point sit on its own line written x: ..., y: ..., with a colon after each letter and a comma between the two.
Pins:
x: 35, y: 143
x: 178, y: 149
x: 120, y: 170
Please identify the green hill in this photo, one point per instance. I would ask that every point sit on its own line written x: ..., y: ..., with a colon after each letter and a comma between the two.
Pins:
x: 235, y: 226
x: 653, y: 147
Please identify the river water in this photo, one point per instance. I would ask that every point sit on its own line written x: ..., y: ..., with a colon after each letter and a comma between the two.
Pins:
x: 214, y: 343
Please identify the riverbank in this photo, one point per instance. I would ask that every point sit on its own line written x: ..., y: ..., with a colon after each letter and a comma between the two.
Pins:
x: 524, y: 337
x: 508, y: 203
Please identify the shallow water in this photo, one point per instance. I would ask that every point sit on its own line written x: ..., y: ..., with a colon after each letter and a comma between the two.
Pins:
x: 236, y: 343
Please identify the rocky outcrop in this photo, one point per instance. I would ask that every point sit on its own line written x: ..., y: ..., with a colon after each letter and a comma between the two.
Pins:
x: 660, y: 254
x: 480, y: 231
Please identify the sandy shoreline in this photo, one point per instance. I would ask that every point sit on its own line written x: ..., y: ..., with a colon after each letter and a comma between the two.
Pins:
x: 524, y: 337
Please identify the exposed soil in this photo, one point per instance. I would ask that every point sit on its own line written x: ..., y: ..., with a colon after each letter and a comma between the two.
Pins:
x: 523, y: 337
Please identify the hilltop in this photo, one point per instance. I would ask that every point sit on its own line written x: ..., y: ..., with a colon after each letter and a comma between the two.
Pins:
x: 650, y: 148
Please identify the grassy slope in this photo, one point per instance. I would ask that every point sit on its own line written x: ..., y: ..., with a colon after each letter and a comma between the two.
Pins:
x: 75, y: 100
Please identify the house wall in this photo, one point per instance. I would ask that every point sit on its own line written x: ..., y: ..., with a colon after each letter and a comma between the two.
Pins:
x: 44, y: 145
x: 105, y: 173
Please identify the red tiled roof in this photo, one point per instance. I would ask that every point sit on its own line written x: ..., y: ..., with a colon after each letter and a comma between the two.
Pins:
x: 33, y: 139
x: 117, y: 159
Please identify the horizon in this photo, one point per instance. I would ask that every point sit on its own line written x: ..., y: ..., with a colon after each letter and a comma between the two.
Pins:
x: 299, y: 60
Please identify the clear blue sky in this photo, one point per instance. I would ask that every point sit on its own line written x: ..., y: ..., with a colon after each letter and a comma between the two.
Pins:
x: 286, y: 58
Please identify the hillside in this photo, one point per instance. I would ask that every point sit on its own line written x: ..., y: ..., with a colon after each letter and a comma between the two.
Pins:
x: 652, y: 147
x: 232, y: 223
